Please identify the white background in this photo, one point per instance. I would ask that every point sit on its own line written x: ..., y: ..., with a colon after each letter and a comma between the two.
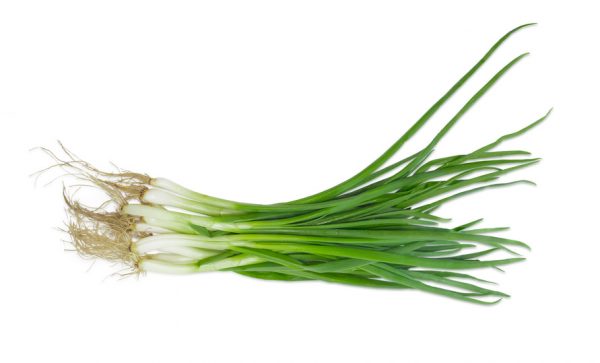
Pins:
x: 271, y: 100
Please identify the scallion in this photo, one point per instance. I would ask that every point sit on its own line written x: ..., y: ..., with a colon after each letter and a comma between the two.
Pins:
x: 376, y: 229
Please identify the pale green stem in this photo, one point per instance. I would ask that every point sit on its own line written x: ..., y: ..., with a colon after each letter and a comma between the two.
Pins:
x: 153, y: 265
x: 165, y: 198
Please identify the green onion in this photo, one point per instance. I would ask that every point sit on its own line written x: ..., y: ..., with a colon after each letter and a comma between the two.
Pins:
x: 376, y: 229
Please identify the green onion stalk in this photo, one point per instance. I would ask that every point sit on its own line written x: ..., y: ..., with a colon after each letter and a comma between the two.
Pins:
x: 376, y: 229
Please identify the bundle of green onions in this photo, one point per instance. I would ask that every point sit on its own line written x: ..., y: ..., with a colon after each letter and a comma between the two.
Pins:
x: 376, y: 229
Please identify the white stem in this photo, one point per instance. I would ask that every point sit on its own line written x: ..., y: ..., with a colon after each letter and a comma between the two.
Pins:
x: 235, y: 261
x: 165, y: 267
x: 149, y: 228
x: 190, y: 252
x: 178, y: 189
x: 156, y: 213
x: 160, y: 263
x: 172, y: 227
x: 171, y: 258
x: 158, y: 242
x: 165, y: 198
x: 156, y: 265
x: 146, y: 211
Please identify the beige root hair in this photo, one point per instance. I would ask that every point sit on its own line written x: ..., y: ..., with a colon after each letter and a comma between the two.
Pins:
x: 104, y: 231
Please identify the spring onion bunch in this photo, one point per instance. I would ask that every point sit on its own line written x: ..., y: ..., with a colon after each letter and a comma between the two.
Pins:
x: 376, y: 229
